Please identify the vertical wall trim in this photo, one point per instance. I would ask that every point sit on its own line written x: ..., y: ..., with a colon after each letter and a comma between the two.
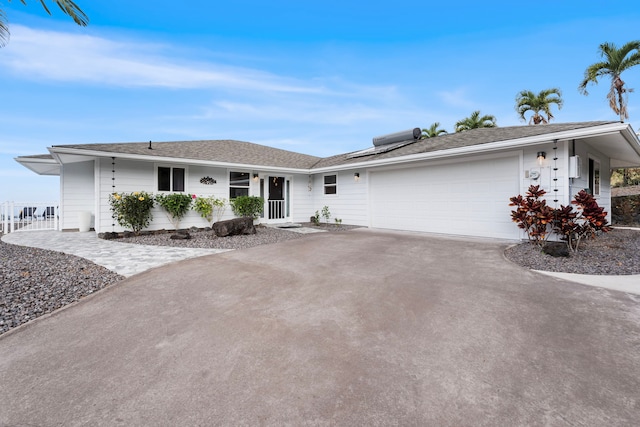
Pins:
x: 113, y: 189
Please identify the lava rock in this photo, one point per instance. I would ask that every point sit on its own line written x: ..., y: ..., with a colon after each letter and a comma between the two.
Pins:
x: 181, y: 236
x: 556, y: 249
x: 233, y: 227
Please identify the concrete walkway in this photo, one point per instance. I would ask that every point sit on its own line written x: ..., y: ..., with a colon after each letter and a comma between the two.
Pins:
x: 123, y: 258
x: 337, y: 329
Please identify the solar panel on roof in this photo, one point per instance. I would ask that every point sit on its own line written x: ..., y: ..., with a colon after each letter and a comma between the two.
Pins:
x: 379, y: 150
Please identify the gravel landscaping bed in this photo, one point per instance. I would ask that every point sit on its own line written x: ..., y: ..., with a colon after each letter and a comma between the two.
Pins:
x: 35, y: 281
x: 207, y: 239
x: 614, y: 253
x: 203, y: 238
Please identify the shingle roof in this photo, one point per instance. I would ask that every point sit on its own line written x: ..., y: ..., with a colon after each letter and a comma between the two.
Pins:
x: 240, y: 152
x: 461, y: 139
x: 224, y: 151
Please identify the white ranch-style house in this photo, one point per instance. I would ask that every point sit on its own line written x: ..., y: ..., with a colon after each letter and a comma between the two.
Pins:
x: 454, y: 184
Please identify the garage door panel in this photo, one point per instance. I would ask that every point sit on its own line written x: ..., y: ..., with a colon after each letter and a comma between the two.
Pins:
x: 469, y: 198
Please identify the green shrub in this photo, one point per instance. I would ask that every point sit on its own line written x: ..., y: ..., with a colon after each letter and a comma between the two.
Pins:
x: 210, y: 208
x: 250, y: 206
x: 132, y: 210
x: 176, y: 206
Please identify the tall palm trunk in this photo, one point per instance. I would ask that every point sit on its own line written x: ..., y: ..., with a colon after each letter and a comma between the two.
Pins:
x: 618, y: 83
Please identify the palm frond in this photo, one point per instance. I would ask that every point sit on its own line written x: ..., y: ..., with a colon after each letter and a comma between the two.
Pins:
x: 432, y: 131
x: 617, y: 61
x: 4, y: 29
x: 70, y: 8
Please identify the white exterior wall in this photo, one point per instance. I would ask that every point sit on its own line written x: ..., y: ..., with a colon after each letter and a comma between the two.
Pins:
x: 566, y: 187
x: 350, y: 204
x: 554, y: 182
x: 302, y: 198
x: 586, y: 152
x: 133, y: 176
x: 77, y: 193
x: 129, y: 176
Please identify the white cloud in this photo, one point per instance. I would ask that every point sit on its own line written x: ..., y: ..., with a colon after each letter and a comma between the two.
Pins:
x: 60, y: 56
x: 457, y: 98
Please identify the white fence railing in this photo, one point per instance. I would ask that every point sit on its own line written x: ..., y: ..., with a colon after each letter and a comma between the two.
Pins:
x: 277, y: 209
x: 28, y: 216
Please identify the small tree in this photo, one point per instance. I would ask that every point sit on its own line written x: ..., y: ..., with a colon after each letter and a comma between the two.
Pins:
x: 326, y: 214
x: 250, y: 206
x: 539, y: 220
x: 175, y: 205
x: 533, y: 215
x: 585, y: 223
x: 132, y: 210
x: 210, y: 208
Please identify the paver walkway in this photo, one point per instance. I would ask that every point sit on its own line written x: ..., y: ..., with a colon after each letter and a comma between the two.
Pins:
x: 123, y: 258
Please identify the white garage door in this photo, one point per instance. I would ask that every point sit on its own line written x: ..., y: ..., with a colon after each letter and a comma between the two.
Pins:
x: 467, y: 198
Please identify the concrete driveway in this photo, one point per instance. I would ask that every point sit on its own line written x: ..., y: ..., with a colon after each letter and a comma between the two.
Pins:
x: 356, y: 328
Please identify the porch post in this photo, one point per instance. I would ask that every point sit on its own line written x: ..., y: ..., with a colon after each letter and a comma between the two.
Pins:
x: 13, y: 220
x: 5, y: 220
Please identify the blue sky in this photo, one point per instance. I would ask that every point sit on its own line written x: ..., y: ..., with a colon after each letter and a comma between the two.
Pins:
x: 320, y: 78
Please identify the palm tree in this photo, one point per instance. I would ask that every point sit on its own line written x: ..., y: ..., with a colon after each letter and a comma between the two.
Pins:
x: 615, y: 62
x: 475, y: 121
x: 432, y: 131
x: 529, y: 101
x: 67, y: 6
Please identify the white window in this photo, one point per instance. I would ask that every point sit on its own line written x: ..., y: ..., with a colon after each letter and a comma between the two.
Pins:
x: 171, y: 179
x: 330, y: 184
x: 594, y: 176
x: 238, y: 184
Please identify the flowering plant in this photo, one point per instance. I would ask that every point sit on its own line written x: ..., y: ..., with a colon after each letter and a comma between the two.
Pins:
x: 210, y: 208
x: 132, y: 210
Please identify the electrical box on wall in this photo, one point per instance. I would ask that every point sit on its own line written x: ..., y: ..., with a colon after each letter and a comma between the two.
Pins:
x: 575, y: 166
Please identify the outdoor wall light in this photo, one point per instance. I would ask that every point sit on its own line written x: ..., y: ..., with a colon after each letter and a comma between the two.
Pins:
x: 541, y: 156
x: 356, y: 176
x: 255, y: 177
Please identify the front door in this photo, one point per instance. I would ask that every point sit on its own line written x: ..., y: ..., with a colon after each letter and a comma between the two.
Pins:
x: 277, y: 200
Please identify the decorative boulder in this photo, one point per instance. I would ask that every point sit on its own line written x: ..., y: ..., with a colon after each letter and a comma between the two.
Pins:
x: 235, y: 226
x: 556, y: 249
x: 181, y: 235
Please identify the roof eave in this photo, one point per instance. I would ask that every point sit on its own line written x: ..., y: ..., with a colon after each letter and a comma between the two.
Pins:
x: 607, y: 129
x: 48, y: 167
x: 58, y: 152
